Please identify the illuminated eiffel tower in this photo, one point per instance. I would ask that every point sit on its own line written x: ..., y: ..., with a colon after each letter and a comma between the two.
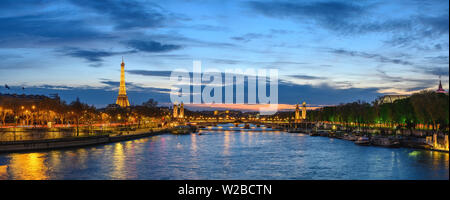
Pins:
x: 122, y: 99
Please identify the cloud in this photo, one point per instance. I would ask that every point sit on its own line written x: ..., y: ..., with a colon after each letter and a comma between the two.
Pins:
x: 95, y: 56
x: 205, y: 27
x: 151, y: 46
x: 306, y: 77
x: 127, y: 14
x: 150, y: 73
x: 8, y: 5
x: 250, y: 36
x: 324, y: 94
x: 437, y: 71
x: 435, y: 24
x: 131, y: 86
x: 362, y: 17
x: 334, y: 15
x: 405, y: 81
x: 414, y: 89
x: 442, y: 60
x: 413, y: 31
x: 225, y: 61
x: 44, y: 28
x: 376, y: 57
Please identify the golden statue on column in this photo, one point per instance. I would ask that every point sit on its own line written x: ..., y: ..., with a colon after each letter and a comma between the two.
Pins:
x: 297, y: 113
x: 181, y: 114
x: 175, y: 110
x: 304, y: 111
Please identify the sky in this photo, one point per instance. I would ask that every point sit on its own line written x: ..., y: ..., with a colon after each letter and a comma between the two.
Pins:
x: 327, y: 52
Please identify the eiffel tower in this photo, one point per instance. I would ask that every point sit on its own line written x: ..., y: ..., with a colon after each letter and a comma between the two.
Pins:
x: 122, y: 99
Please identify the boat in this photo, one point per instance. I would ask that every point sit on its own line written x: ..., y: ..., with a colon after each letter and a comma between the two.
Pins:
x: 417, y: 143
x: 314, y: 134
x: 293, y: 130
x: 247, y: 126
x: 364, y: 141
x: 350, y: 137
x: 194, y: 129
x: 332, y: 134
x: 385, y: 142
x: 181, y: 130
x: 323, y: 133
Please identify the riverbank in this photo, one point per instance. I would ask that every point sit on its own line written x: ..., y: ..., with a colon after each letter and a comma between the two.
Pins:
x: 80, y: 141
x: 360, y: 138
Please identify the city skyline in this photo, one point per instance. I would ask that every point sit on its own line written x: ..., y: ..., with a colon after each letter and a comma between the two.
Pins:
x: 50, y: 47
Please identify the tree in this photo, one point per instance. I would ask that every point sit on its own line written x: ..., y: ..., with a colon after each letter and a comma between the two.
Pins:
x: 78, y: 109
x: 5, y: 108
x: 150, y: 103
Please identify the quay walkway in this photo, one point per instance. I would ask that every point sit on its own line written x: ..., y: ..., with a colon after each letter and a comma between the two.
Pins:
x: 66, y: 142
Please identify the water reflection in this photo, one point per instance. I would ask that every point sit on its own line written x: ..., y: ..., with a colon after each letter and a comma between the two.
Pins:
x: 226, y: 143
x: 39, y: 135
x: 118, y: 162
x: 194, y: 144
x: 227, y: 155
x: 28, y: 166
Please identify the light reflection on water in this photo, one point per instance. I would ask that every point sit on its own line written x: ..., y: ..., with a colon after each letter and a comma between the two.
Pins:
x: 227, y: 155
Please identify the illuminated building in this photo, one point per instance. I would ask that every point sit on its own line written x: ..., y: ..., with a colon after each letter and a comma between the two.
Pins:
x: 122, y: 99
x: 297, y: 113
x: 440, y: 89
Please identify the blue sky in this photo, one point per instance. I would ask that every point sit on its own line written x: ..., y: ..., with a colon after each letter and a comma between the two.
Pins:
x: 327, y: 52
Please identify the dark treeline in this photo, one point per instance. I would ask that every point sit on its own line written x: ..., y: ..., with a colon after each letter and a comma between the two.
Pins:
x: 421, y: 110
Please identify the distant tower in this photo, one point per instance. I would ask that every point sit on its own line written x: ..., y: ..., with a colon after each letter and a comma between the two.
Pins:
x: 440, y: 89
x: 304, y: 111
x: 297, y: 113
x: 181, y: 114
x: 175, y: 110
x: 122, y: 99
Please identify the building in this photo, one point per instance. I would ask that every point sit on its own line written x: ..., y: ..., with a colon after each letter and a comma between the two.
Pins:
x: 390, y: 98
x: 122, y: 99
x: 440, y: 89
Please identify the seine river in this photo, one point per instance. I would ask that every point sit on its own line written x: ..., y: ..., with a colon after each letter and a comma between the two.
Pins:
x: 228, y: 155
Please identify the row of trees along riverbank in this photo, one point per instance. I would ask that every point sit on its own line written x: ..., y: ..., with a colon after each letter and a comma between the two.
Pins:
x: 39, y: 110
x: 425, y: 110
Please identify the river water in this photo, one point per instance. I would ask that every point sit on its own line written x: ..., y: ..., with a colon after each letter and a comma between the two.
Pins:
x: 228, y: 155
